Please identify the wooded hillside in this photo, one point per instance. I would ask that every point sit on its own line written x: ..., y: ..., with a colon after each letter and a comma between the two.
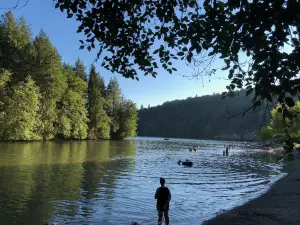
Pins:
x: 206, y: 117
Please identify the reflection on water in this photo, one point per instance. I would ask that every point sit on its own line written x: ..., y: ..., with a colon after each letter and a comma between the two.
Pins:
x: 113, y: 182
x: 44, y: 181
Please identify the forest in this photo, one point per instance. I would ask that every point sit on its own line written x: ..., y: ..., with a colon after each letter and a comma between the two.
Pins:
x: 205, y: 117
x: 42, y: 98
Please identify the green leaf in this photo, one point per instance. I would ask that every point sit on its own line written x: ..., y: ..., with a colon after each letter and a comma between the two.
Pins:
x: 198, y: 49
x: 226, y: 67
x: 79, y: 30
x: 184, y: 49
x: 189, y: 57
x: 180, y: 53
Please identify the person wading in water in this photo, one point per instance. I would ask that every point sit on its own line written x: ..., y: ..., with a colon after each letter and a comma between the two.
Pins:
x: 163, y: 196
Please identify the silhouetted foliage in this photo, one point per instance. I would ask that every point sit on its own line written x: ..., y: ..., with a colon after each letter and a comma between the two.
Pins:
x: 146, y: 35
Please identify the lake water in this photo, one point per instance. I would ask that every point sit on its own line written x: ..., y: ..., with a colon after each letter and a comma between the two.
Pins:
x: 113, y: 182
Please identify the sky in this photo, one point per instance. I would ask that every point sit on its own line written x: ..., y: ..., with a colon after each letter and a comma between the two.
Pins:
x: 41, y: 14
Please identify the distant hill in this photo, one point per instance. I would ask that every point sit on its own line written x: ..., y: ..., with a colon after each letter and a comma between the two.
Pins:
x: 204, y: 117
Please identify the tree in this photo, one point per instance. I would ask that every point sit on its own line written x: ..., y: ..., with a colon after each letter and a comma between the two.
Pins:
x: 99, y: 125
x: 20, y: 118
x: 71, y: 111
x: 127, y: 114
x: 142, y: 107
x: 290, y: 126
x: 80, y: 69
x: 266, y: 133
x: 113, y: 96
x: 51, y: 81
x: 15, y: 46
x: 5, y: 77
x: 283, y: 129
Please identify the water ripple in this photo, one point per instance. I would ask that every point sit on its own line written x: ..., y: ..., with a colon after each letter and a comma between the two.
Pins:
x: 114, y: 182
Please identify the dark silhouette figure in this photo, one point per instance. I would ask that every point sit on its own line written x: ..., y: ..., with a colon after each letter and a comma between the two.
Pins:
x: 226, y: 151
x: 163, y: 196
x: 186, y: 163
x: 223, y: 152
x: 194, y: 149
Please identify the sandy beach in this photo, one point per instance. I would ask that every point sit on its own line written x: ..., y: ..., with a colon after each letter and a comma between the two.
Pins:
x: 280, y: 205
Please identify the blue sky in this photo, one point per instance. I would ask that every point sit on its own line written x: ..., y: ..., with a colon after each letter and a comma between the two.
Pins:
x: 41, y: 14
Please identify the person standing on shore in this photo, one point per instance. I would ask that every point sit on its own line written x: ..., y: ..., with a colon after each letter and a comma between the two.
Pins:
x: 163, y: 196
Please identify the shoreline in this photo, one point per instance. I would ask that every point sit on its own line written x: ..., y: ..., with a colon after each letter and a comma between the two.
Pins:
x: 250, y: 140
x: 279, y: 205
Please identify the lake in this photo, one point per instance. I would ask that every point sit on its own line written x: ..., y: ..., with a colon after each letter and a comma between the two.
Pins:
x: 113, y: 182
